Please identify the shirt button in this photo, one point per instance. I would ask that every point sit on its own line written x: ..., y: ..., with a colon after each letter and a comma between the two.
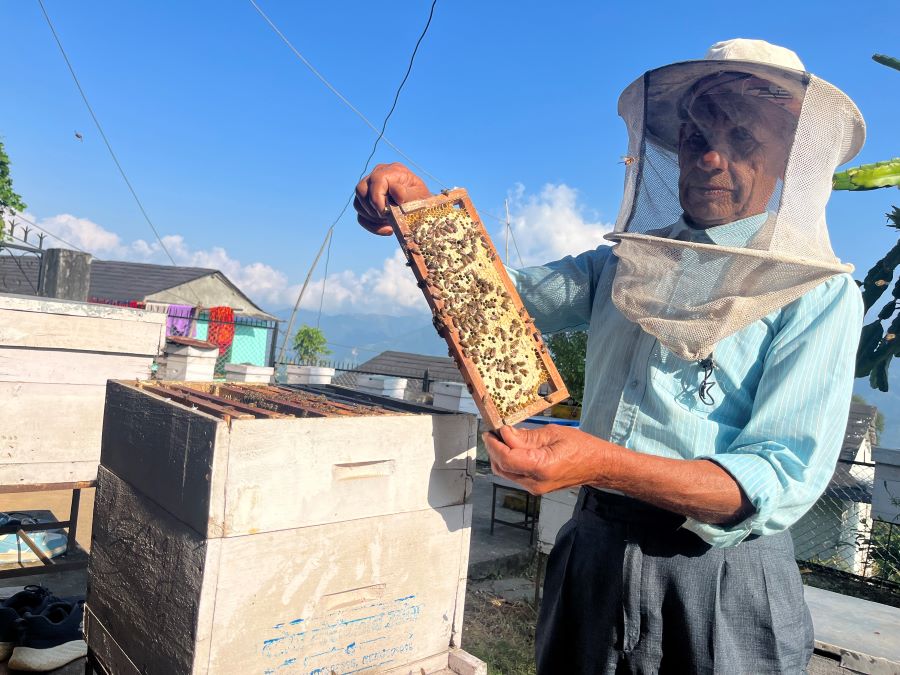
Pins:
x: 634, y: 384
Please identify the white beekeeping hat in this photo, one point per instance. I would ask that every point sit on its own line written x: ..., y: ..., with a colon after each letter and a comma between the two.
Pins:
x: 723, y: 216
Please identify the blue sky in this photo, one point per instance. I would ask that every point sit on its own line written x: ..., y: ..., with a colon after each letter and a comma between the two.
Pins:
x: 243, y: 158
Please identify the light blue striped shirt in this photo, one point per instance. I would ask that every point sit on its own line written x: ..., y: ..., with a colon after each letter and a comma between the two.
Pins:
x: 783, y: 383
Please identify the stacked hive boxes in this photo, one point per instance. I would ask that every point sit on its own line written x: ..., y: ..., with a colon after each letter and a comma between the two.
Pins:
x: 261, y: 529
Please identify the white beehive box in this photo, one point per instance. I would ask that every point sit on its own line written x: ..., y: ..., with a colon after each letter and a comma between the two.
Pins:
x: 55, y: 359
x: 308, y: 375
x: 382, y: 385
x: 243, y: 372
x: 331, y: 544
x: 886, y: 489
x: 190, y: 360
x: 453, y: 396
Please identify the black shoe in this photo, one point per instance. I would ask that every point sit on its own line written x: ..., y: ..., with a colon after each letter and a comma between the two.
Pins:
x: 33, y: 599
x: 51, y: 639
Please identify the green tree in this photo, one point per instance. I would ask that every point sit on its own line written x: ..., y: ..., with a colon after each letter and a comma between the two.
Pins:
x: 309, y: 344
x: 569, y: 350
x: 10, y: 202
x: 877, y: 345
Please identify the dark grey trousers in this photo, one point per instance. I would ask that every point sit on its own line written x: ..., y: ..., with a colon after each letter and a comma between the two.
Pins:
x: 628, y: 591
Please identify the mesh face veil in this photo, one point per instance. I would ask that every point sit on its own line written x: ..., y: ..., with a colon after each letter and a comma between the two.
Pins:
x: 723, y: 217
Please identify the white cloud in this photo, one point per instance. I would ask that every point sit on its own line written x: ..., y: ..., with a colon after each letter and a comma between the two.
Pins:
x: 80, y: 232
x: 550, y: 225
x: 546, y: 226
x: 389, y: 289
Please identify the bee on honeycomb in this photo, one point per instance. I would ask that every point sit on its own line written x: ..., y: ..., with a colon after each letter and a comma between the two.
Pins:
x: 477, y: 311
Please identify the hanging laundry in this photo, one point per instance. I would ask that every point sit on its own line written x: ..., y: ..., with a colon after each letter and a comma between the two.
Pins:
x: 221, y: 328
x: 158, y: 307
x: 179, y: 320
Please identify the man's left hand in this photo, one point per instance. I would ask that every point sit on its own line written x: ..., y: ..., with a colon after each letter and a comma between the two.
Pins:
x: 547, y: 458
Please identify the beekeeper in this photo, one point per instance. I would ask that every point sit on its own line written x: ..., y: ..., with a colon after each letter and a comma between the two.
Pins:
x: 720, y: 359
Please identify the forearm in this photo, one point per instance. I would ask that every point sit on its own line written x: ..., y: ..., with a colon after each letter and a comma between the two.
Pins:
x: 698, y: 489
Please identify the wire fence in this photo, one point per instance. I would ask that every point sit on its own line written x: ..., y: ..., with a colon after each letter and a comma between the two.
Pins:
x: 245, y: 340
x: 840, y: 533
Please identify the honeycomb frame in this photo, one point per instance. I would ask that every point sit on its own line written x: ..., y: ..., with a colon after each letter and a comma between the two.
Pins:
x: 476, y: 309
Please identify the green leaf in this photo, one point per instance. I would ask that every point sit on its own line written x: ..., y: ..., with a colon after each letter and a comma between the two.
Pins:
x: 869, y: 339
x: 887, y: 311
x: 9, y: 200
x: 879, y: 277
x: 878, y: 379
x: 894, y: 218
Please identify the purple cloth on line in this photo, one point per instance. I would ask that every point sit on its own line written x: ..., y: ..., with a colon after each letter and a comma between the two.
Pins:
x: 179, y: 320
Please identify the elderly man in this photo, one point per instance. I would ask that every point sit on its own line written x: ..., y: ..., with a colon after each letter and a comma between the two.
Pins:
x: 722, y: 333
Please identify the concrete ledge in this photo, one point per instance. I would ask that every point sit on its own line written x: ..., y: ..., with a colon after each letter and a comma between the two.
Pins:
x: 859, y: 635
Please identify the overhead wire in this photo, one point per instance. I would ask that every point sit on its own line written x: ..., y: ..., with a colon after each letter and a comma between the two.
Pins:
x: 15, y: 259
x: 380, y: 137
x: 103, y: 135
x: 343, y: 98
x: 317, y: 74
x: 516, y: 246
x: 324, y: 278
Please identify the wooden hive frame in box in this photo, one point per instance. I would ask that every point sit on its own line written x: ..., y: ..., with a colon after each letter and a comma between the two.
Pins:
x: 476, y: 308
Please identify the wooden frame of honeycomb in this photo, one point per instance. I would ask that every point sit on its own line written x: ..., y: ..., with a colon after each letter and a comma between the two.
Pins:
x: 476, y: 308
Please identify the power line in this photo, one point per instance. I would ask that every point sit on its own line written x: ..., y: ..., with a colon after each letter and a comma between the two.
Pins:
x: 24, y: 275
x: 343, y: 98
x: 387, y: 117
x: 516, y: 246
x: 352, y: 107
x: 103, y: 134
x: 324, y: 280
x: 330, y: 232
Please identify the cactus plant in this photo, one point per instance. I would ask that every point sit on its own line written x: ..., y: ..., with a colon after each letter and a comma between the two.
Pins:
x: 869, y: 176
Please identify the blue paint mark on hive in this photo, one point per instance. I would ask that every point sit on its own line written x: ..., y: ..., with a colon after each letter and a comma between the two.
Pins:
x: 345, y: 641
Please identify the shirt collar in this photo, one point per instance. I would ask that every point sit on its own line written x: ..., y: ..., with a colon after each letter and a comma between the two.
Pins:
x: 735, y: 235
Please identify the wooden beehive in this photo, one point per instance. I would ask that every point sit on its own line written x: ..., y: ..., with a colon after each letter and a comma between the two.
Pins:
x: 260, y: 529
x: 55, y: 359
x: 476, y: 308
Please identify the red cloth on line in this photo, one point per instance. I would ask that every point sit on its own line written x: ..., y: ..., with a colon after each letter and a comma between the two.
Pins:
x: 221, y: 328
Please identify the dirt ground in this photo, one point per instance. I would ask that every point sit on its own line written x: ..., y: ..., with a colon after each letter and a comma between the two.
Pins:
x: 500, y: 633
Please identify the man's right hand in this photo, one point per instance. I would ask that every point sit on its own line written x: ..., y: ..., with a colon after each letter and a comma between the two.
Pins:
x: 386, y: 181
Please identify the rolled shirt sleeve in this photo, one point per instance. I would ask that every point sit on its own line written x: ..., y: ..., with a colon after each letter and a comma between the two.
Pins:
x: 785, y: 456
x: 559, y: 295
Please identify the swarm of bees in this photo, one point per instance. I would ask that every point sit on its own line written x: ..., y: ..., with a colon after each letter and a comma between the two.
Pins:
x: 476, y: 311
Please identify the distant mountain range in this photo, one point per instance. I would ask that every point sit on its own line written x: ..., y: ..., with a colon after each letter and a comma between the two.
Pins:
x: 359, y: 337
